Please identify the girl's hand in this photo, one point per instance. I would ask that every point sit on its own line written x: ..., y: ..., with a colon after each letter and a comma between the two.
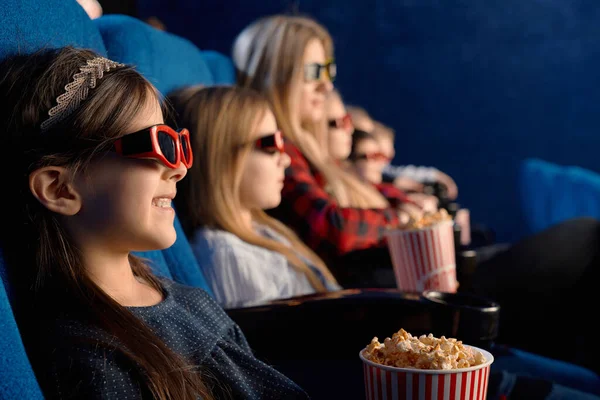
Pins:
x: 428, y: 203
x: 409, y: 212
x: 449, y: 183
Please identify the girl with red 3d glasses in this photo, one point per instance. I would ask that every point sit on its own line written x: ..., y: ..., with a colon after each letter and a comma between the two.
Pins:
x: 96, y: 174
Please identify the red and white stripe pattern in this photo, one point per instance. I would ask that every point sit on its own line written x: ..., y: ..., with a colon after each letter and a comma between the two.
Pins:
x: 424, y: 259
x: 387, y: 385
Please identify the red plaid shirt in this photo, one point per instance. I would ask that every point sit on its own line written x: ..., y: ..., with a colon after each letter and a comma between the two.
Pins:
x: 394, y: 195
x: 327, y: 228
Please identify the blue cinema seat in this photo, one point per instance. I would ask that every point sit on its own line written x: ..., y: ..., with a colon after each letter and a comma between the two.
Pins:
x: 168, y: 61
x: 31, y: 25
x: 17, y: 379
x: 221, y: 67
x: 552, y: 193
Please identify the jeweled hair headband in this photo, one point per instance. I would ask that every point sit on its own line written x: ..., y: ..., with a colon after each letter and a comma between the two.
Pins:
x: 77, y: 90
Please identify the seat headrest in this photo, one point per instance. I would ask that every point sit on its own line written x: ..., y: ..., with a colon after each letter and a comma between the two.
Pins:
x: 221, y: 67
x: 168, y: 61
x: 31, y: 25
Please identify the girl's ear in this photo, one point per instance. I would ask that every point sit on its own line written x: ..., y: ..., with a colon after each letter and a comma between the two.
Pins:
x: 52, y: 187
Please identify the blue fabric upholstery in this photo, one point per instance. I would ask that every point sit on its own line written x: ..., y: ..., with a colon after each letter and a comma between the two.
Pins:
x: 535, y: 181
x: 17, y: 379
x: 532, y: 365
x: 156, y: 261
x: 182, y: 263
x: 30, y: 25
x: 168, y: 61
x: 221, y: 67
x: 551, y: 193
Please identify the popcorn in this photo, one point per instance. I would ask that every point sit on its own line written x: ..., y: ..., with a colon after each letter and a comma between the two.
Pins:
x: 403, y: 350
x: 428, y: 220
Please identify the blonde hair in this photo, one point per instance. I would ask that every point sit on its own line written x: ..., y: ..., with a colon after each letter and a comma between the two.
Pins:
x: 381, y: 129
x: 268, y: 56
x: 360, y: 118
x: 221, y: 121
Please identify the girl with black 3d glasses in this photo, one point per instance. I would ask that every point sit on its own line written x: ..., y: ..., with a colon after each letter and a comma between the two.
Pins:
x: 95, y: 321
x: 245, y: 255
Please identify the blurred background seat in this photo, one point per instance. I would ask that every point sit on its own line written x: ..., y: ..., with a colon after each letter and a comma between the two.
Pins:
x: 553, y: 193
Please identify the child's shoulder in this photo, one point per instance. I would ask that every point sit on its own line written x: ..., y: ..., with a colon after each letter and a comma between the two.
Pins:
x: 181, y: 292
x: 196, y: 304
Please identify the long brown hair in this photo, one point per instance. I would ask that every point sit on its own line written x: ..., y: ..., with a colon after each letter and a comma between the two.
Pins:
x: 221, y: 120
x: 268, y: 56
x: 46, y: 268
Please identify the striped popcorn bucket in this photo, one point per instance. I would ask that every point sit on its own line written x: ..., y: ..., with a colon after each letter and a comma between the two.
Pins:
x: 424, y: 259
x: 390, y: 383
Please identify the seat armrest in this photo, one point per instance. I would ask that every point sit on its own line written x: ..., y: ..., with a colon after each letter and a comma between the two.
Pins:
x: 337, y: 325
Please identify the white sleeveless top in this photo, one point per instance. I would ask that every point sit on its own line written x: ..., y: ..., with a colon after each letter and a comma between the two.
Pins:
x: 239, y: 272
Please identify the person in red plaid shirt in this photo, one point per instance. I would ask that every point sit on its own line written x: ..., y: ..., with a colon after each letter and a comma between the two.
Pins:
x: 332, y: 210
